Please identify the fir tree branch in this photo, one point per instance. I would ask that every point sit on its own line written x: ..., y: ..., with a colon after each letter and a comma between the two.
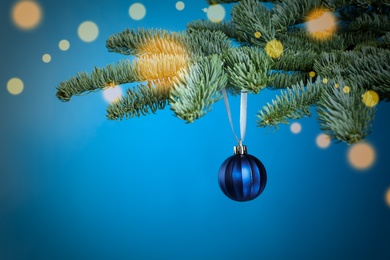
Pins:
x: 379, y: 24
x: 343, y: 115
x: 293, y: 103
x: 251, y: 16
x: 291, y: 12
x: 142, y: 100
x: 296, y: 61
x: 247, y: 68
x: 226, y: 27
x: 282, y: 80
x: 213, y: 2
x: 197, y: 88
x: 206, y: 42
x: 146, y: 42
x: 100, y: 78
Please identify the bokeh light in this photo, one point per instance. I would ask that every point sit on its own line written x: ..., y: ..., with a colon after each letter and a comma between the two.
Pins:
x: 325, y: 80
x: 180, y: 5
x: 361, y: 156
x: 337, y: 85
x: 216, y: 13
x: 112, y: 94
x: 370, y: 98
x: 274, y: 49
x: 26, y: 14
x: 257, y: 34
x: 204, y: 10
x: 346, y: 89
x: 137, y: 11
x: 46, y: 58
x: 323, y: 141
x: 64, y: 45
x: 387, y: 197
x: 312, y: 74
x: 15, y: 86
x: 296, y: 128
x: 88, y: 31
x: 321, y: 24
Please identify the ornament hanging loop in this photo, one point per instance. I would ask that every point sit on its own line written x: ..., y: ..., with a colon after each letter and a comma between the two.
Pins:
x: 240, y: 149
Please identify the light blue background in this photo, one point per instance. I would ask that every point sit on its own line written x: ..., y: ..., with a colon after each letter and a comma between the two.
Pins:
x: 74, y: 185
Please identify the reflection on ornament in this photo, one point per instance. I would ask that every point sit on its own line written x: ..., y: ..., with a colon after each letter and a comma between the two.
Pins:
x: 242, y: 177
x: 370, y: 98
x: 274, y: 49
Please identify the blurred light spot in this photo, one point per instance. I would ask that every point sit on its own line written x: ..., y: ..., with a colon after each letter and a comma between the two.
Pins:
x: 112, y: 94
x: 257, y: 35
x: 137, y: 11
x: 346, y: 89
x: 204, y: 10
x: 361, y: 156
x: 370, y: 98
x: 296, y: 128
x: 64, y: 45
x: 26, y: 14
x: 15, y: 86
x: 274, y: 49
x: 312, y: 74
x: 46, y: 58
x: 323, y: 141
x: 325, y: 80
x: 337, y: 85
x: 180, y: 5
x: 321, y: 24
x: 216, y: 13
x: 88, y: 31
x: 387, y: 197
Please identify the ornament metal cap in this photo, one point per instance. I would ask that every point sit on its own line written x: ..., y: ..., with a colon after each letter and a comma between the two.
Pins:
x: 240, y: 149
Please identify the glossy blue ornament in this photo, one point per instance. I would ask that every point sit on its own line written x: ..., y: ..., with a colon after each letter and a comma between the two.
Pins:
x: 242, y: 177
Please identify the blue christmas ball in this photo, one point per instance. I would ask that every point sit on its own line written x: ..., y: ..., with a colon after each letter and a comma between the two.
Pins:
x: 242, y: 177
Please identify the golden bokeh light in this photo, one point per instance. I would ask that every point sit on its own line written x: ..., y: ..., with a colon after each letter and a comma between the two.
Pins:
x: 46, y: 58
x: 312, y: 74
x: 88, y: 31
x: 296, y: 128
x: 337, y: 85
x: 216, y: 13
x: 321, y: 24
x: 26, y: 14
x: 274, y: 49
x: 325, y: 80
x: 15, y: 86
x: 323, y: 141
x: 346, y: 89
x: 361, y: 156
x: 370, y: 98
x: 64, y: 45
x: 137, y: 11
x: 112, y: 93
x: 387, y: 197
x: 180, y: 5
x: 257, y: 34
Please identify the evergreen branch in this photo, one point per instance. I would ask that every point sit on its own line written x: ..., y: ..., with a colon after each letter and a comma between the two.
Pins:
x: 146, y: 42
x: 247, y: 68
x: 205, y: 42
x: 225, y: 27
x: 296, y: 61
x: 282, y: 80
x: 379, y: 24
x: 367, y: 68
x: 197, y: 88
x: 100, y: 78
x: 343, y: 115
x: 141, y: 100
x: 250, y: 17
x: 291, y: 12
x: 293, y: 103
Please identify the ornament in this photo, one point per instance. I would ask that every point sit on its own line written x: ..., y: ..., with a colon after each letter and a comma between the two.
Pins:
x: 242, y: 177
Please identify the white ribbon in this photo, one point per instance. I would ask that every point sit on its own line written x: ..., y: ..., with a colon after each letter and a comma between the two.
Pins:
x: 243, y: 109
